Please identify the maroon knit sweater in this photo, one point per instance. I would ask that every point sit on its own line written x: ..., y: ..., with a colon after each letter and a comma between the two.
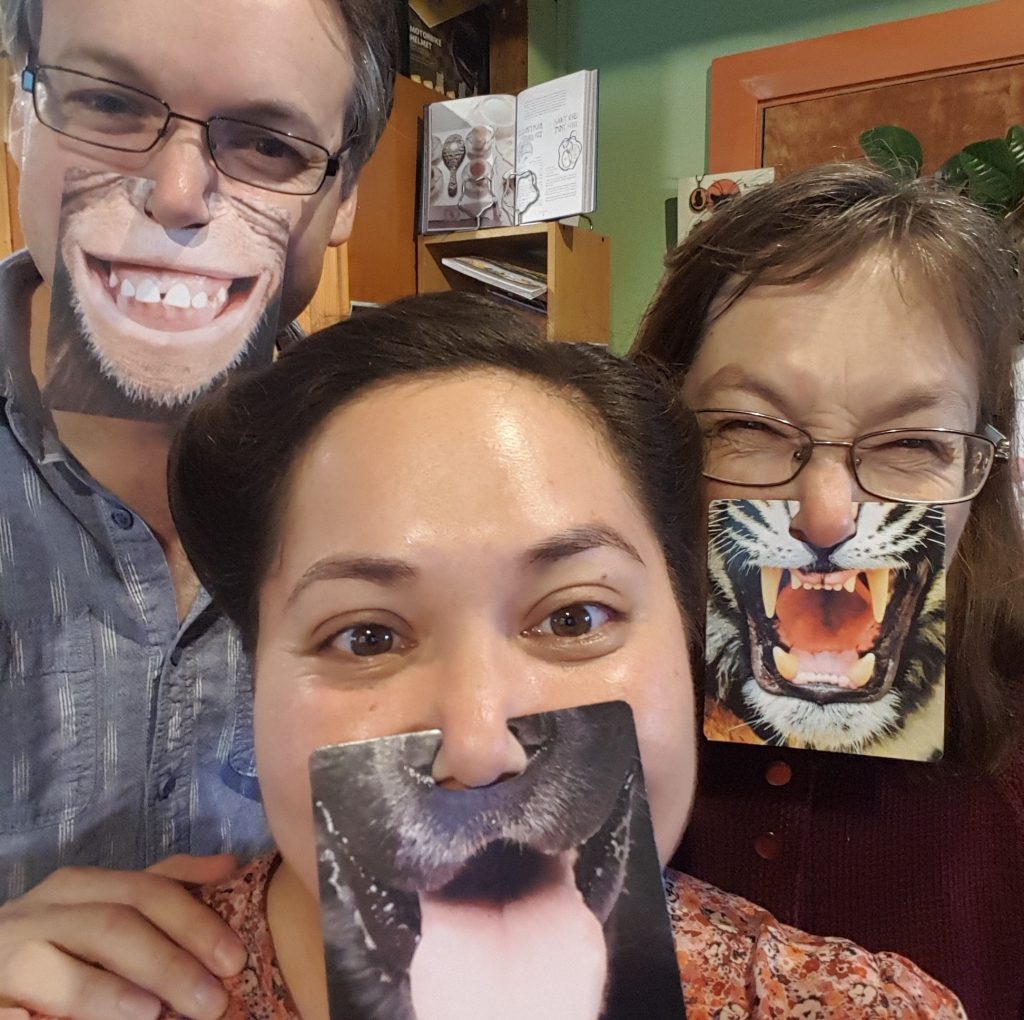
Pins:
x: 877, y: 851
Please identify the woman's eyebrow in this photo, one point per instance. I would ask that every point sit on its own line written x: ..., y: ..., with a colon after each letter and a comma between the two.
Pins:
x: 941, y: 398
x: 573, y: 541
x: 734, y: 377
x: 376, y: 569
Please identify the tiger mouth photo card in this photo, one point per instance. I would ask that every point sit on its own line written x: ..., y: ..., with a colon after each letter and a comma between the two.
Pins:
x: 839, y: 649
x: 144, y: 321
x: 538, y: 896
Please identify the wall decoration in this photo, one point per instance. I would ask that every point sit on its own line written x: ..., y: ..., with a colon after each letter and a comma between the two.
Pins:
x: 698, y: 196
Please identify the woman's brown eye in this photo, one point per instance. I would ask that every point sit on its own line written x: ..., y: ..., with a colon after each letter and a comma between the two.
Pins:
x: 571, y: 621
x: 366, y: 639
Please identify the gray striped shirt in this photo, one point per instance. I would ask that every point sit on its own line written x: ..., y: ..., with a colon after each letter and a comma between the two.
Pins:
x: 124, y: 735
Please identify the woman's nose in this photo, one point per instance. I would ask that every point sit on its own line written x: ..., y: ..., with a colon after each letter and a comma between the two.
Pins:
x: 184, y: 176
x: 478, y: 695
x: 827, y: 492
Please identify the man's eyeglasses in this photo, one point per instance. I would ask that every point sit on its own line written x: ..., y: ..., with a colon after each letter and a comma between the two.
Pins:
x: 115, y: 116
x: 904, y: 465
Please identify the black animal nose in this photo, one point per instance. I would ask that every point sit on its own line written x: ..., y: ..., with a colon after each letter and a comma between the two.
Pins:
x: 822, y: 562
x: 533, y: 731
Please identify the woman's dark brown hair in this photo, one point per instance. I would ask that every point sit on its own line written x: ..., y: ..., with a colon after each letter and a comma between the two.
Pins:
x: 814, y: 225
x: 231, y: 463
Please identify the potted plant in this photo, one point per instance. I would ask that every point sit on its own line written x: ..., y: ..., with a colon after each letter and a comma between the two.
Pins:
x: 991, y: 172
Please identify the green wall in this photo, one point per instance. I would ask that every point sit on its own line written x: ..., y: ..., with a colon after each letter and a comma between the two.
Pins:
x: 655, y: 58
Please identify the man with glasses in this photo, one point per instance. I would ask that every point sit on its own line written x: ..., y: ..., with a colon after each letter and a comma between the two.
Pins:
x: 125, y: 727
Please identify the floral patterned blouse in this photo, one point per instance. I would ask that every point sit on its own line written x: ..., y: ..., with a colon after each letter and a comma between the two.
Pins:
x: 736, y: 962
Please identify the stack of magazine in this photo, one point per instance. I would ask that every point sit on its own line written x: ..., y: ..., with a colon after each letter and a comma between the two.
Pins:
x: 517, y: 285
x: 499, y: 161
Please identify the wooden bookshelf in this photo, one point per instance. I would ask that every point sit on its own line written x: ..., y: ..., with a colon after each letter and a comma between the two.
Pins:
x: 577, y: 262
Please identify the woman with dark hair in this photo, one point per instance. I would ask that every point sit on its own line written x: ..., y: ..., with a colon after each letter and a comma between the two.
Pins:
x: 829, y: 314
x: 430, y: 518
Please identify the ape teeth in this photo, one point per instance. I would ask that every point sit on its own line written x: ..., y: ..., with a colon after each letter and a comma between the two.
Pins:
x: 771, y: 577
x: 178, y: 296
x: 794, y: 581
x: 147, y: 292
x: 787, y: 665
x: 863, y: 670
x: 878, y: 585
x: 850, y: 583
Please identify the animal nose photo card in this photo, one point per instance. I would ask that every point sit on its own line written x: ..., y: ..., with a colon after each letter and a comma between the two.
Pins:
x: 144, y: 319
x: 538, y: 896
x: 832, y: 649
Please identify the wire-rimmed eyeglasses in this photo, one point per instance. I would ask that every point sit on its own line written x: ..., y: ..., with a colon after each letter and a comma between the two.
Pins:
x: 106, y: 113
x: 906, y: 465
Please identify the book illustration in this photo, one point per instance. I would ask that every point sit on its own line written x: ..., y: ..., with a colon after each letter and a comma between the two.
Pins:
x: 471, y: 145
x: 524, y: 159
x: 569, y: 151
x: 453, y: 152
x: 143, y: 320
x: 839, y: 649
x: 527, y: 193
x: 699, y: 196
x: 440, y: 901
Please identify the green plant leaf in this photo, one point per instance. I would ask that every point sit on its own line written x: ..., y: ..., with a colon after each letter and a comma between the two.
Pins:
x: 952, y: 172
x: 894, y: 149
x: 993, y: 178
x: 1015, y: 141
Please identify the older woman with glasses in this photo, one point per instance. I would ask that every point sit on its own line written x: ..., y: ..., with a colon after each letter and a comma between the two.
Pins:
x: 847, y: 338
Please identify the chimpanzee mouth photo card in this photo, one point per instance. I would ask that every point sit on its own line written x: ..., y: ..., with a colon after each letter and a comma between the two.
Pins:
x: 839, y: 649
x: 145, y: 319
x: 539, y: 896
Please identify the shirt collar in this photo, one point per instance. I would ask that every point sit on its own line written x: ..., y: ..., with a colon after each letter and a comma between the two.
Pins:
x: 29, y: 419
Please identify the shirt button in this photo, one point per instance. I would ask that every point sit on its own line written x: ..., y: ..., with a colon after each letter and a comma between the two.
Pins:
x: 768, y: 846
x: 122, y: 518
x: 167, y: 787
x: 779, y: 773
x: 175, y: 656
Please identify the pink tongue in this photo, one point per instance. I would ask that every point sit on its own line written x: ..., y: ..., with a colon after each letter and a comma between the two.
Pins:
x: 542, y: 956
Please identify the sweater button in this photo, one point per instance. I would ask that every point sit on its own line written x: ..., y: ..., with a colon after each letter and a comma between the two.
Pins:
x: 768, y: 846
x: 779, y: 773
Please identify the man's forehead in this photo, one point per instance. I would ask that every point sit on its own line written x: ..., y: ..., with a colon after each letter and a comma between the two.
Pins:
x: 290, y: 54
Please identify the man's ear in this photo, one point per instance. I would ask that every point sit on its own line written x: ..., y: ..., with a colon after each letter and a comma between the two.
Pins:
x: 16, y: 125
x: 346, y: 215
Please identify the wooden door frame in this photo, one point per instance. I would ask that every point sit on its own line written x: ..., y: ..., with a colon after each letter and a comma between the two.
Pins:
x: 743, y: 85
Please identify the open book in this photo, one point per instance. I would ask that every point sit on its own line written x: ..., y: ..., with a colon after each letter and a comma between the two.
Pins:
x: 498, y: 161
